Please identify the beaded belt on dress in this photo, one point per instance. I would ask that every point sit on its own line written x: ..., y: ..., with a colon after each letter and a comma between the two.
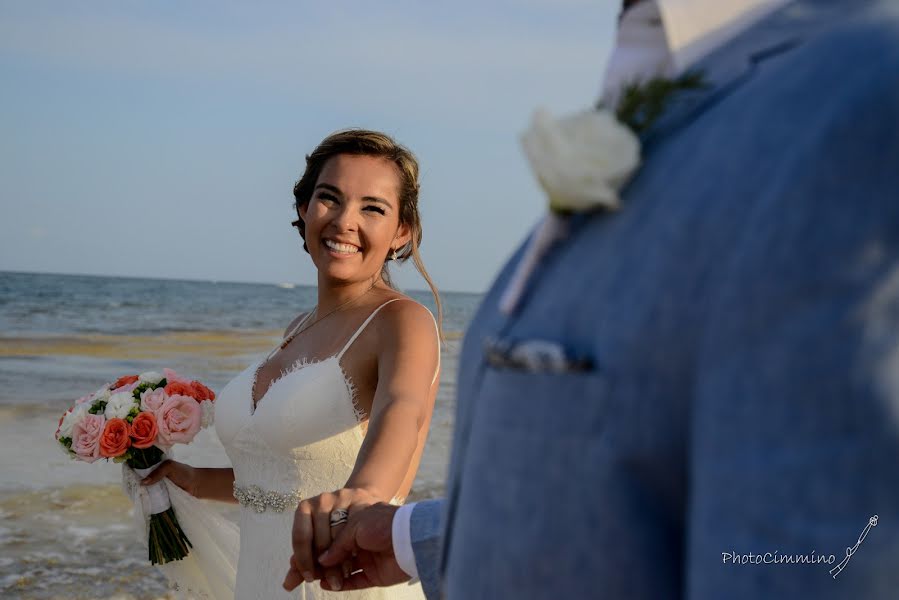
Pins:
x: 261, y: 500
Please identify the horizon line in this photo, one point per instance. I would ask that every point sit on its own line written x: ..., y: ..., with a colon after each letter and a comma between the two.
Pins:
x: 275, y: 283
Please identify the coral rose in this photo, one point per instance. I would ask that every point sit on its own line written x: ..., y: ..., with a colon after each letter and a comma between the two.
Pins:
x: 178, y: 388
x: 201, y: 392
x: 178, y: 420
x: 144, y: 430
x: 86, y: 437
x: 116, y: 438
x: 123, y: 381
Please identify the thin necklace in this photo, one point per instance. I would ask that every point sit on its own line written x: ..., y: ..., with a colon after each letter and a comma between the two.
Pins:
x: 297, y: 331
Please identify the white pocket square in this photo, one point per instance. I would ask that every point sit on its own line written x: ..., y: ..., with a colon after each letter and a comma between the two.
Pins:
x: 535, y: 356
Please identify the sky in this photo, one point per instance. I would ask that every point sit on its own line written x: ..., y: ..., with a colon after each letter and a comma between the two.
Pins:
x: 163, y: 139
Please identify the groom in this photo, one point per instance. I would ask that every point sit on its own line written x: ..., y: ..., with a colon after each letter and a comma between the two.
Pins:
x: 730, y: 426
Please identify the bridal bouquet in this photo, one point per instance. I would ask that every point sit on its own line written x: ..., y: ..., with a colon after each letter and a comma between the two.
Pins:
x: 135, y: 421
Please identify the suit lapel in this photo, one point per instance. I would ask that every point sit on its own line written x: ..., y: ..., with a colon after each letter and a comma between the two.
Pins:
x: 732, y: 65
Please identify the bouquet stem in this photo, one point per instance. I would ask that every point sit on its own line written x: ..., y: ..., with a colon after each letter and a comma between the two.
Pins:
x: 166, y: 541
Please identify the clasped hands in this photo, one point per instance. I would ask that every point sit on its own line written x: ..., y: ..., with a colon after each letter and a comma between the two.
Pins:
x: 350, y: 555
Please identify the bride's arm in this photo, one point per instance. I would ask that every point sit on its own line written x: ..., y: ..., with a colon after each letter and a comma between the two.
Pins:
x: 403, y: 400
x: 408, y: 356
x: 200, y: 482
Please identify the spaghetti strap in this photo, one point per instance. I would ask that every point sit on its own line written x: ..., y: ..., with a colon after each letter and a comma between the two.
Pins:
x: 372, y: 316
x: 437, y: 370
x: 362, y: 327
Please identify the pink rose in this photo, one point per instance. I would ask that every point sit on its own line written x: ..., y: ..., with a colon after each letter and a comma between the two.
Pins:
x: 127, y: 388
x: 152, y: 400
x: 178, y: 420
x: 86, y: 437
x: 172, y: 377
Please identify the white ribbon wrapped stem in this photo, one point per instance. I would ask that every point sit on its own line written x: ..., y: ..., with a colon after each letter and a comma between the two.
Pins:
x: 147, y: 499
x: 157, y: 495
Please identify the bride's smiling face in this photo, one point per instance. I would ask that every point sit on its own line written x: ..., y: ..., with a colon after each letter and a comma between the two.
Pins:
x: 352, y: 219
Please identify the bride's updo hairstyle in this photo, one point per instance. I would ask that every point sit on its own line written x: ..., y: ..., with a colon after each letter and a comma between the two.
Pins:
x: 363, y: 142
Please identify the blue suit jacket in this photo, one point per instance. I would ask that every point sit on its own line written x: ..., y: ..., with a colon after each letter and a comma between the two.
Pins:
x: 742, y: 310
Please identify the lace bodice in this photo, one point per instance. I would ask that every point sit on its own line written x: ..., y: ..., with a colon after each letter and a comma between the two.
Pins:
x: 305, y: 420
x: 302, y: 440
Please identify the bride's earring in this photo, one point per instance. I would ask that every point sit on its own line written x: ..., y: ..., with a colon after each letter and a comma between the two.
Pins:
x: 393, y: 256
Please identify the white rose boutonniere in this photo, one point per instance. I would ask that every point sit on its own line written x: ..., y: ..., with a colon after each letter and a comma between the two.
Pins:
x: 581, y: 160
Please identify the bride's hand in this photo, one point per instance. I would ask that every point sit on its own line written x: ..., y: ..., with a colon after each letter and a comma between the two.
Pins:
x: 184, y: 476
x: 313, y: 534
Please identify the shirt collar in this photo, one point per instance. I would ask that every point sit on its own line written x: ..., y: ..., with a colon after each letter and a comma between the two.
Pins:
x: 663, y: 38
x: 694, y: 28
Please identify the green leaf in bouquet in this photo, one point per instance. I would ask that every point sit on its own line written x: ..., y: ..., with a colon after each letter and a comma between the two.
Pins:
x: 99, y: 407
x: 143, y: 387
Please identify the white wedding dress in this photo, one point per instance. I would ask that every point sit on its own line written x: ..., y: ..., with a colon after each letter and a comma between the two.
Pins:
x: 301, y: 440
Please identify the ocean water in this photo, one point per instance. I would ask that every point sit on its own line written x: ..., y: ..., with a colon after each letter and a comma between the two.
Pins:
x: 65, y: 529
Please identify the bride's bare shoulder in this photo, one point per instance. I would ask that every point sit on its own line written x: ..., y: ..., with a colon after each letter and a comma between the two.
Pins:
x: 406, y: 317
x: 294, y: 323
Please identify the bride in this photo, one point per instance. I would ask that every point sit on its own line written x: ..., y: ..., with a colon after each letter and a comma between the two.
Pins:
x: 344, y: 402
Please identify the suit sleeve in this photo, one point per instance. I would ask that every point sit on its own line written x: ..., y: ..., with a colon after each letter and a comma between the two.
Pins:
x: 426, y: 534
x: 795, y: 420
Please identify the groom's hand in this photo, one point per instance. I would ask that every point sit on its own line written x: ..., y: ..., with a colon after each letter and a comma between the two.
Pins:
x: 367, y: 540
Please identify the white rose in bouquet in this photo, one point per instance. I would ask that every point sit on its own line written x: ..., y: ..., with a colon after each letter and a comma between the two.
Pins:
x: 119, y: 405
x: 581, y: 160
x: 207, y: 410
x: 71, y: 418
x: 101, y: 394
x: 151, y: 377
